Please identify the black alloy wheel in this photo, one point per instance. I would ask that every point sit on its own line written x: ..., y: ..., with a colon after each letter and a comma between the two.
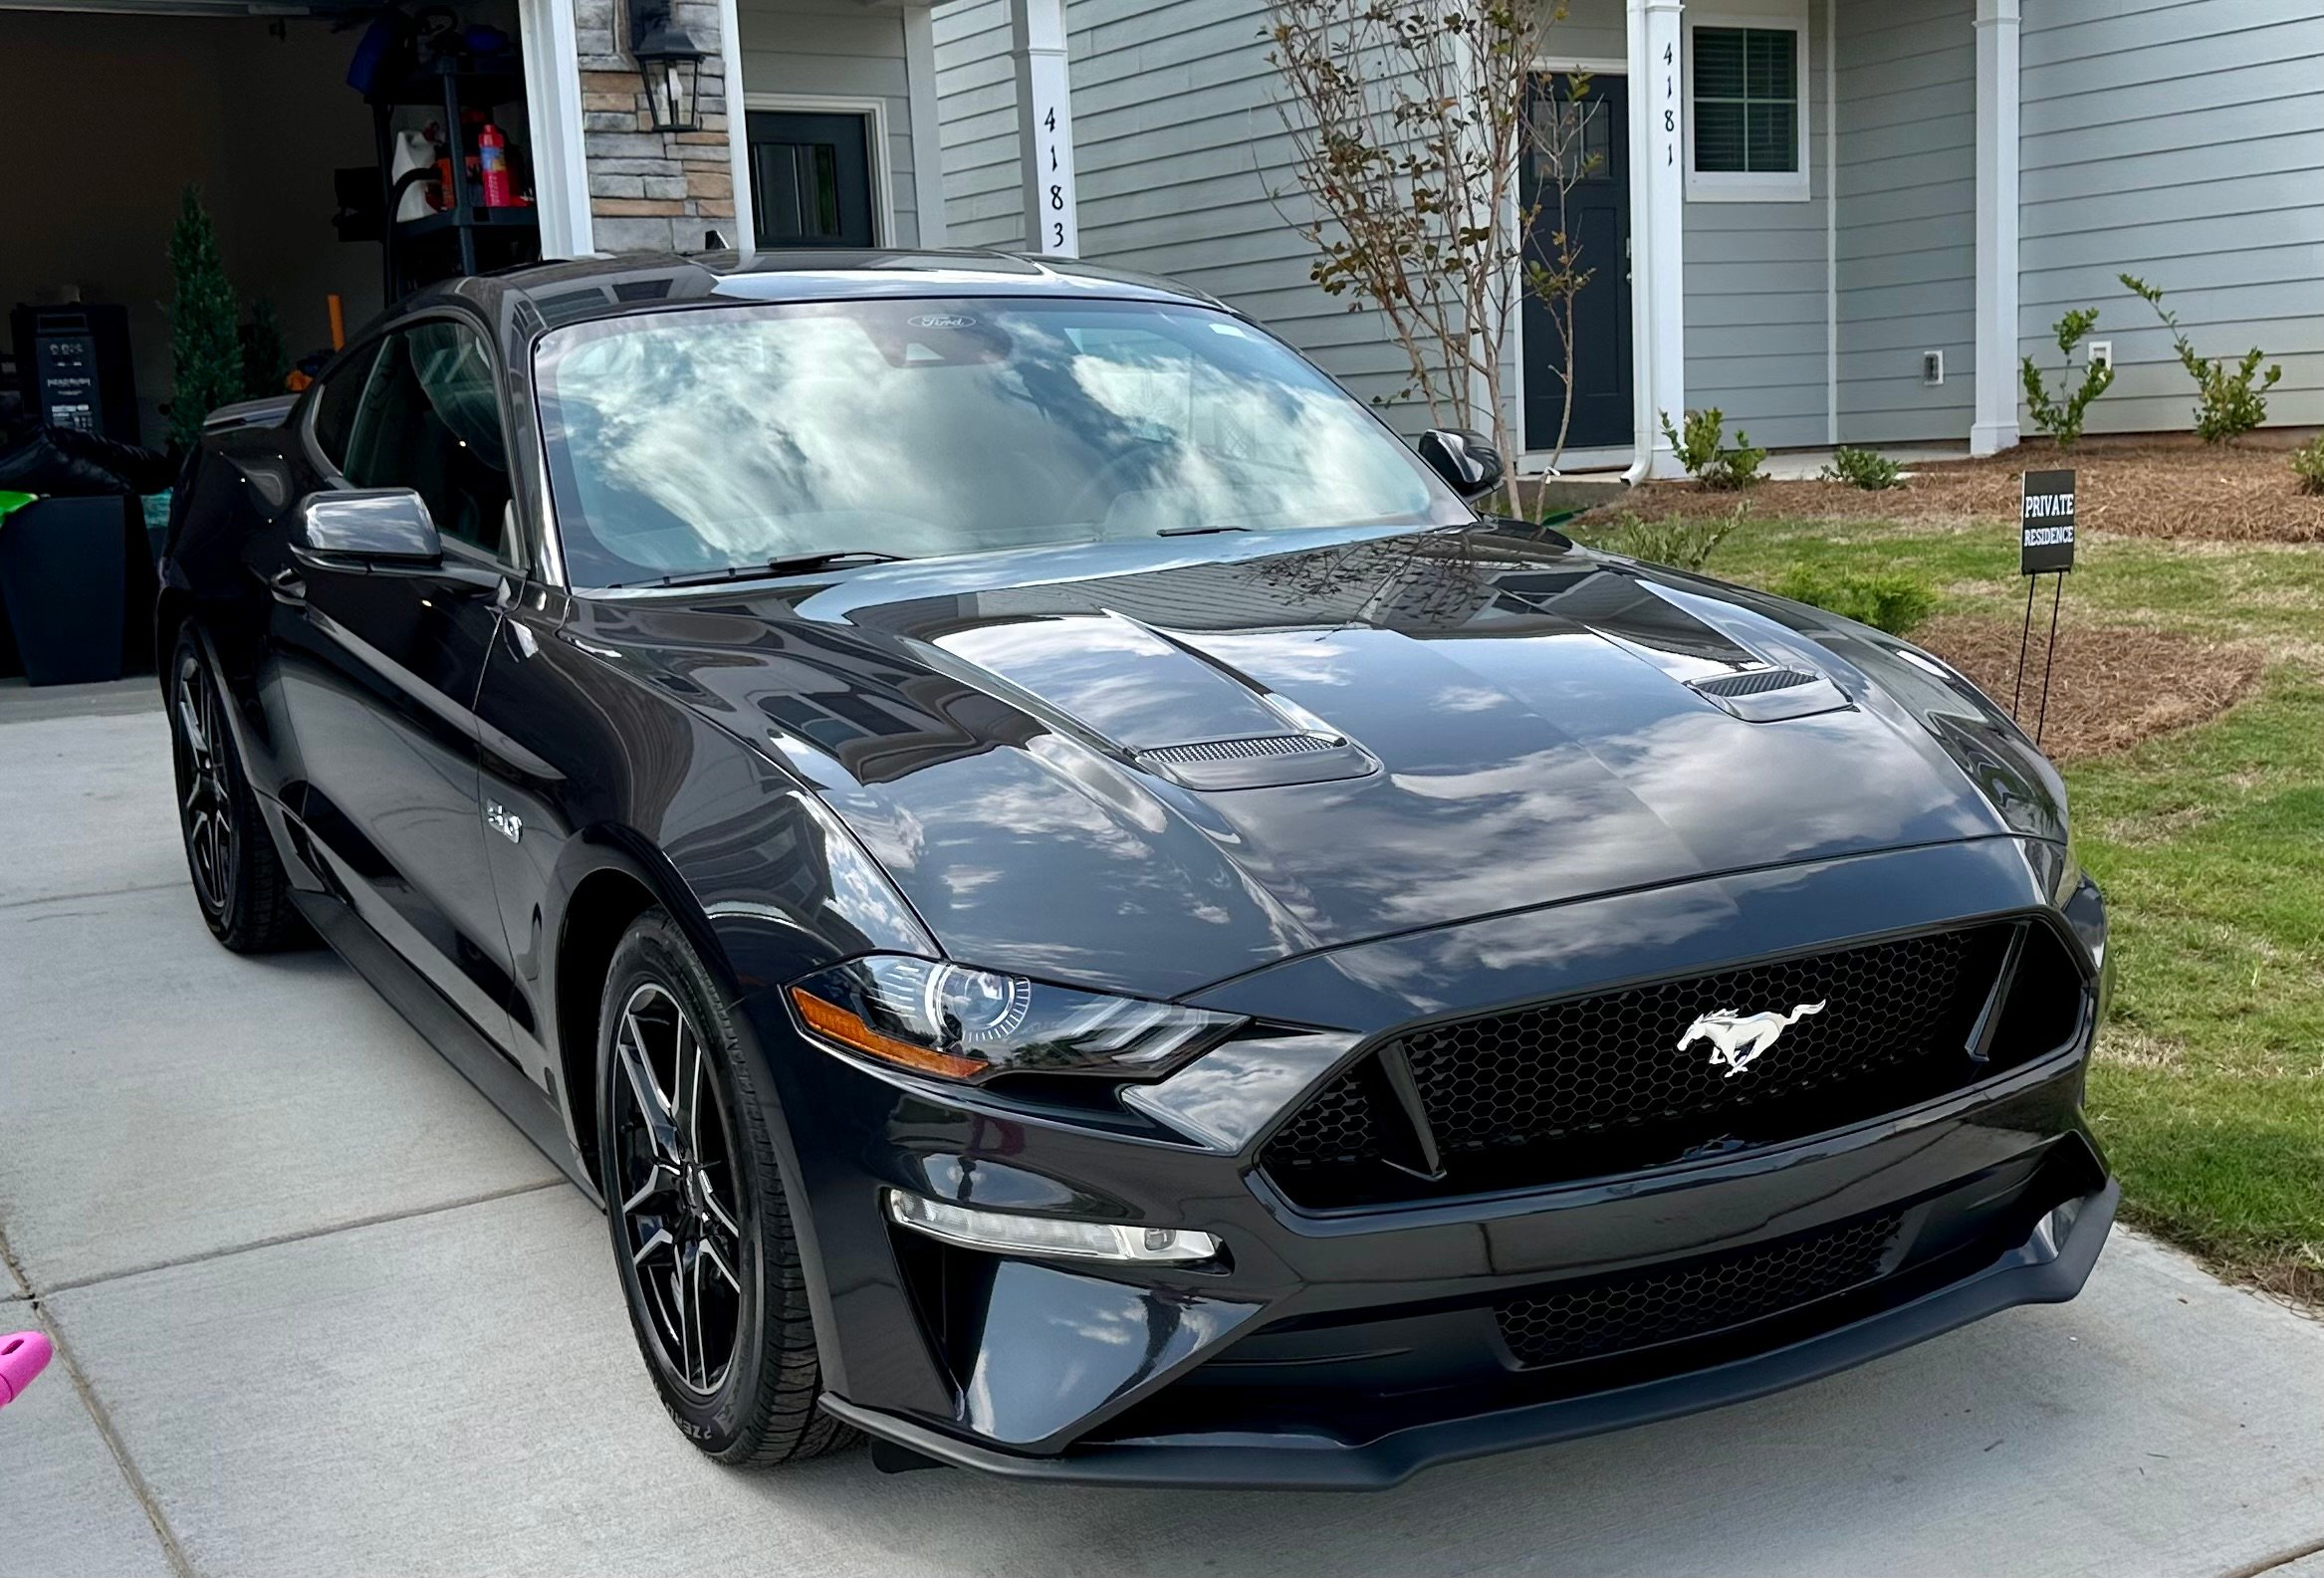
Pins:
x: 681, y: 1211
x: 205, y: 795
x: 701, y: 1227
x: 236, y: 874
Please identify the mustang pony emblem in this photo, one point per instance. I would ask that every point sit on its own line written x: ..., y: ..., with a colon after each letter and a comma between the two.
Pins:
x: 1737, y: 1039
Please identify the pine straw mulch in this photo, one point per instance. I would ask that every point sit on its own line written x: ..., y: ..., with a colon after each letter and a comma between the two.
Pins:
x: 2142, y: 487
x: 2108, y: 689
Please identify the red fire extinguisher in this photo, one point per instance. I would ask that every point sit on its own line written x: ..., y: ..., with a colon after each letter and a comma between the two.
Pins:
x: 492, y: 157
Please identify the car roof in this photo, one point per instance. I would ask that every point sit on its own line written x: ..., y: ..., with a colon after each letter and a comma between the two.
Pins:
x: 577, y: 290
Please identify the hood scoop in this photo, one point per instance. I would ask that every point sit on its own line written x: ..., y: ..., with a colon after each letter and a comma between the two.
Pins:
x: 1655, y: 626
x: 1156, y: 701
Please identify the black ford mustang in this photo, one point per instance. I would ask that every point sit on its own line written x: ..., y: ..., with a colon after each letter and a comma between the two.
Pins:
x: 1083, y: 915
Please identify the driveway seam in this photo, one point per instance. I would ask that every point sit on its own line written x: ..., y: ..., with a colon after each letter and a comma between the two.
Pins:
x: 300, y: 1236
x: 2283, y: 1559
x: 172, y: 1552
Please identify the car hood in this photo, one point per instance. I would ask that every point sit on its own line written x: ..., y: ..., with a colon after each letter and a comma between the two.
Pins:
x: 1152, y: 766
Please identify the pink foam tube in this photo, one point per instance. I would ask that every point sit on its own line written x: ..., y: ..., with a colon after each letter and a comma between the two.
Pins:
x: 23, y: 1355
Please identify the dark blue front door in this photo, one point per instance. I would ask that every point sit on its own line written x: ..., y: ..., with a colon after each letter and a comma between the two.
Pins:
x: 1597, y: 216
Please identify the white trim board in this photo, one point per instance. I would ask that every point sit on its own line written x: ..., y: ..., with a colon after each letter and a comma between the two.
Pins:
x: 1595, y: 66
x: 927, y: 125
x: 874, y: 111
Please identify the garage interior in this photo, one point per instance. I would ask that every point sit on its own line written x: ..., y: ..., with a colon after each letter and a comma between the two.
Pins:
x: 112, y: 112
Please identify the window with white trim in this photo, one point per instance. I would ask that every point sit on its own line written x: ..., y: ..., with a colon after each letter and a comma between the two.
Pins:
x: 1747, y: 111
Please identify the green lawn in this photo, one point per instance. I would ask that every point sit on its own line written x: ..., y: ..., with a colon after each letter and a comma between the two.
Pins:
x: 2208, y: 1083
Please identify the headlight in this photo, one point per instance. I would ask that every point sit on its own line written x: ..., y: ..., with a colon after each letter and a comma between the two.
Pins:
x: 962, y: 1024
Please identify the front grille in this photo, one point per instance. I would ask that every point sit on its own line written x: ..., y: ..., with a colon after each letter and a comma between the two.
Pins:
x: 1672, y: 1303
x: 1586, y: 1086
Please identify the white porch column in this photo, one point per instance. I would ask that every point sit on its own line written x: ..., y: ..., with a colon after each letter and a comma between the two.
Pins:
x: 1996, y: 425
x: 1045, y: 127
x: 1658, y: 295
x: 553, y: 99
x: 742, y: 233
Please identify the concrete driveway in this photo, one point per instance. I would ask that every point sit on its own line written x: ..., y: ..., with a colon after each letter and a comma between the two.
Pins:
x: 320, y: 1310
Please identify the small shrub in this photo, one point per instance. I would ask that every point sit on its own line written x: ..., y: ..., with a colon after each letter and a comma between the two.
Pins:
x: 1679, y: 544
x: 205, y: 352
x: 2308, y: 465
x: 2061, y: 417
x: 1862, y: 468
x: 266, y: 359
x: 1702, y: 449
x: 1891, y: 601
x: 2226, y: 406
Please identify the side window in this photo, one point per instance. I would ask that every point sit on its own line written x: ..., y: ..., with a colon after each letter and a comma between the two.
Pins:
x: 428, y: 419
x: 336, y: 400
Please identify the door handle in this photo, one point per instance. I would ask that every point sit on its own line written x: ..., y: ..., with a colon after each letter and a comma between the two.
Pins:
x: 289, y: 588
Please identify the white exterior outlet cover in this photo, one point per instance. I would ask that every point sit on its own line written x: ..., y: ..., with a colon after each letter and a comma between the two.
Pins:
x: 1932, y: 367
x: 2102, y: 352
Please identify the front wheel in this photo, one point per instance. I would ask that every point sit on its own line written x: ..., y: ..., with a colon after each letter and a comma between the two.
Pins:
x: 702, y: 1234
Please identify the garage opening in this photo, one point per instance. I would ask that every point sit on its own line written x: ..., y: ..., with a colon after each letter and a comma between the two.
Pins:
x: 330, y: 158
x: 110, y: 116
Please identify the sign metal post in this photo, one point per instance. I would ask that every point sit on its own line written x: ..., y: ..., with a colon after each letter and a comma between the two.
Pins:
x: 2045, y: 546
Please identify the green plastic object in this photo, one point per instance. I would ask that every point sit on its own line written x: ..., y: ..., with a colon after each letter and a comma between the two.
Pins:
x: 12, y: 501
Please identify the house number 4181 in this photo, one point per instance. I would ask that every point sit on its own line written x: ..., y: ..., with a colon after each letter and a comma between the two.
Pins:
x: 1670, y: 103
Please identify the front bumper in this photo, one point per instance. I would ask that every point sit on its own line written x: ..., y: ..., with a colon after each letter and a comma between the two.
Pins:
x: 2048, y: 1268
x: 1351, y: 1348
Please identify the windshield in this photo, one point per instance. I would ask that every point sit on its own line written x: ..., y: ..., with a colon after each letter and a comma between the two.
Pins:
x: 686, y: 443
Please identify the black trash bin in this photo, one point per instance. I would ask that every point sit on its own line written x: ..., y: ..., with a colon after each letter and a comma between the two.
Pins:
x: 63, y: 577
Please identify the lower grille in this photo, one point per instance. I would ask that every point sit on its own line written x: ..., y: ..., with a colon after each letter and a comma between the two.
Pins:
x: 1672, y: 1303
x: 1622, y: 1082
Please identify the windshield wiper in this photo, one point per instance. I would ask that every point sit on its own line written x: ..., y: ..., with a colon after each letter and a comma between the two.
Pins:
x: 1198, y: 531
x: 791, y: 564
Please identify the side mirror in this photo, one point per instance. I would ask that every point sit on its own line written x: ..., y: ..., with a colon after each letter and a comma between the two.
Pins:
x: 355, y: 528
x: 1466, y: 460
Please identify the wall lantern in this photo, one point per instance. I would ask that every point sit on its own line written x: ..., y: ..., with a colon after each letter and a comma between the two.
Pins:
x: 669, y: 63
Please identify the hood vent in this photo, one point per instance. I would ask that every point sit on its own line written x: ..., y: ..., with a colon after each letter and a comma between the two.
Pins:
x: 1768, y: 694
x: 1235, y: 750
x: 1258, y: 760
x: 1755, y: 682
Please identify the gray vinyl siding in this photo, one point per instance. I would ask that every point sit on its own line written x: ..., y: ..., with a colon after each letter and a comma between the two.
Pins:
x: 1182, y: 161
x: 976, y: 88
x: 2183, y: 142
x: 1906, y: 234
x: 1183, y: 168
x: 836, y: 48
x: 1755, y: 311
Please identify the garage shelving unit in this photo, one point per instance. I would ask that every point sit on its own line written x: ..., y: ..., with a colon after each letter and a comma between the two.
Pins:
x: 478, y: 237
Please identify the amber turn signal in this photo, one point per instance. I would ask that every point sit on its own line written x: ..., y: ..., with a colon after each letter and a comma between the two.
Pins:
x: 836, y: 1023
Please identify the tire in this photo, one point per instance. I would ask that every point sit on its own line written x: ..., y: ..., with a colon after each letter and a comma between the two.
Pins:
x: 237, y: 873
x: 701, y: 1225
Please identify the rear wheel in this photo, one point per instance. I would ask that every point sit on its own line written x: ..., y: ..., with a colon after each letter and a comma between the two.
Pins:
x: 702, y: 1234
x: 237, y: 875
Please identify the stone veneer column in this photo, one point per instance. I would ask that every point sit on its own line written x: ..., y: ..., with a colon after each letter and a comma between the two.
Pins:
x: 652, y: 191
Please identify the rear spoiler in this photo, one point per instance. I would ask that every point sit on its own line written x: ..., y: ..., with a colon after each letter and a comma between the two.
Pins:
x: 269, y: 412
